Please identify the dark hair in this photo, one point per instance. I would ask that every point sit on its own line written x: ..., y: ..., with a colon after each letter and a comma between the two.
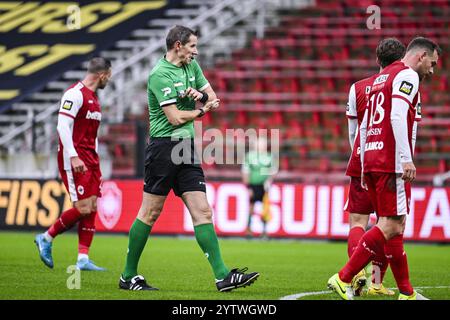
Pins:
x: 424, y: 43
x: 98, y: 64
x: 179, y: 33
x: 390, y: 50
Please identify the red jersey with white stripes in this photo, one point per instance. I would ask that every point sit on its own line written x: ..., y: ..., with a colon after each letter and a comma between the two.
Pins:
x: 397, y: 81
x: 81, y: 104
x: 356, y: 106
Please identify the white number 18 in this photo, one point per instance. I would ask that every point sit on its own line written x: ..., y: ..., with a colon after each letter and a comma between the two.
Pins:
x: 376, y: 108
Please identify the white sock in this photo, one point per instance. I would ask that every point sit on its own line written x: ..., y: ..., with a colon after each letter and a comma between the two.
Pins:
x: 48, y: 237
x: 82, y: 256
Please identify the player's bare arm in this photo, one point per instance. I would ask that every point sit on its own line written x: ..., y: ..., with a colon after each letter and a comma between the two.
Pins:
x: 194, y: 94
x: 178, y: 117
x: 210, y: 92
x: 199, y: 95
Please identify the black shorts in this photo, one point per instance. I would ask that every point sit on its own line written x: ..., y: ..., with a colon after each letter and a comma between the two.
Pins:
x: 182, y: 172
x: 258, y: 192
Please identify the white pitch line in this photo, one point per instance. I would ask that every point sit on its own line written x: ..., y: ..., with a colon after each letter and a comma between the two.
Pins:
x: 316, y: 293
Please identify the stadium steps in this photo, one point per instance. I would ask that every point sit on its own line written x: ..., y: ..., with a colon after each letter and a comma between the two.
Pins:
x: 321, y: 57
x: 46, y: 96
x: 121, y: 50
x: 140, y: 38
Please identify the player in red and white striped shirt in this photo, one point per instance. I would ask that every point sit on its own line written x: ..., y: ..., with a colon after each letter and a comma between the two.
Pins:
x: 78, y: 122
x: 359, y: 204
x: 386, y: 135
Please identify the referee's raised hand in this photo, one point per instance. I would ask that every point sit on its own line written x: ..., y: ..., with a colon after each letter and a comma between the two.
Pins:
x: 193, y: 93
x: 212, y: 105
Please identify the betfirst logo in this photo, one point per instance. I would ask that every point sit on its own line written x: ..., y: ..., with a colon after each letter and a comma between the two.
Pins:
x: 94, y: 115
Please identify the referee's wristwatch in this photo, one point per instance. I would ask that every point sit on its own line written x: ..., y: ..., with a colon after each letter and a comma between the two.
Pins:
x: 202, y: 112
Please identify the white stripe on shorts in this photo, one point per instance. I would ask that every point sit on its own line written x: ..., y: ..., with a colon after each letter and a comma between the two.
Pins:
x: 71, y: 184
x: 402, y: 209
x: 346, y: 204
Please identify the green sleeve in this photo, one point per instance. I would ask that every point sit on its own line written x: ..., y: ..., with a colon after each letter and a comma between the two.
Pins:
x: 163, y: 89
x: 200, y: 80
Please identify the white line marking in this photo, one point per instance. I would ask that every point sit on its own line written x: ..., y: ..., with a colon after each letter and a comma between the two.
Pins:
x: 316, y: 293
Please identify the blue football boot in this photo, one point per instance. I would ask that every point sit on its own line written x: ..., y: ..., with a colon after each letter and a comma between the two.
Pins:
x: 88, y: 265
x: 45, y: 250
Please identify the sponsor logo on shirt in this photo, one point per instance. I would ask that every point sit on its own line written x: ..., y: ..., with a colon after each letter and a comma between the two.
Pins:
x: 94, y: 115
x: 67, y: 105
x: 376, y: 145
x: 166, y: 91
x: 374, y: 132
x: 80, y: 190
x: 191, y: 78
x: 178, y: 84
x: 406, y: 87
x: 381, y: 79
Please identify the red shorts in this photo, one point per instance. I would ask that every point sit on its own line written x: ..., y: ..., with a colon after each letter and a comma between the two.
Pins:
x: 82, y: 185
x: 390, y: 195
x: 358, y: 199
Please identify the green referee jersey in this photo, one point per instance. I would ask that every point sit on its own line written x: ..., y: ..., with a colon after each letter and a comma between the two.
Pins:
x: 257, y: 166
x: 166, y: 85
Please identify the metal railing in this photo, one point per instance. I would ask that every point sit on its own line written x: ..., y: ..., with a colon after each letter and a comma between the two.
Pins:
x: 128, y: 75
x: 211, y: 24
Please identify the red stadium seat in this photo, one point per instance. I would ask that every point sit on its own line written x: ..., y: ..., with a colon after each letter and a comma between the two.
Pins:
x: 297, y: 78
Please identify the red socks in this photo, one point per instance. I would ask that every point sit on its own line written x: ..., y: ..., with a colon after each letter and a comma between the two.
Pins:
x: 86, y: 230
x: 65, y: 222
x: 379, y: 267
x: 354, y: 235
x: 372, y: 242
x: 399, y: 264
x: 86, y: 227
x: 379, y: 263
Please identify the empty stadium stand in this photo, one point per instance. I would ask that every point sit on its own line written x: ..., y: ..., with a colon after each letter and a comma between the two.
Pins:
x: 297, y: 77
x: 294, y: 77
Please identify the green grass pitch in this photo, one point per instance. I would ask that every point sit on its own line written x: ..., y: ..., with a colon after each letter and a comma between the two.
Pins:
x: 178, y: 267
